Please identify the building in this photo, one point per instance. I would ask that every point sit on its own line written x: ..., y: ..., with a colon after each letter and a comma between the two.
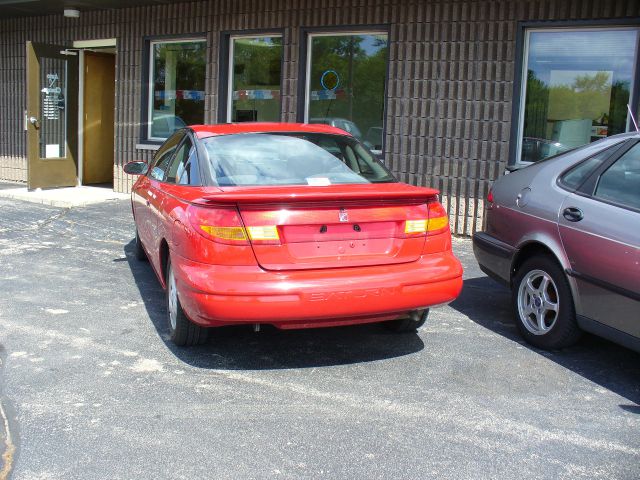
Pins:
x: 450, y: 93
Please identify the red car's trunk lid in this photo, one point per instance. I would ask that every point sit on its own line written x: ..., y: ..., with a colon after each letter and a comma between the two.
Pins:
x: 334, y: 226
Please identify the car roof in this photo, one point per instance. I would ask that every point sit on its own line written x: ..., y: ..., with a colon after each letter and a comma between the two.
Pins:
x: 203, y: 131
x: 630, y: 134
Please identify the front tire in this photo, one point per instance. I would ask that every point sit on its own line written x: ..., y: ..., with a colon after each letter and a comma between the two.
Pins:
x: 138, y: 250
x: 542, y: 301
x: 182, y: 331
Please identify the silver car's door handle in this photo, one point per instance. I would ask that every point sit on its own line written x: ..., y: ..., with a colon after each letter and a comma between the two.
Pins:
x: 573, y: 214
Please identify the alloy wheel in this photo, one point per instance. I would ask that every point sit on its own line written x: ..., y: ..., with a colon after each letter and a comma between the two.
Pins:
x: 538, y: 302
x: 172, y: 293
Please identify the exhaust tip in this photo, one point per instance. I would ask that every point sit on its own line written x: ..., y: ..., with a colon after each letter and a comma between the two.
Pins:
x: 419, y: 315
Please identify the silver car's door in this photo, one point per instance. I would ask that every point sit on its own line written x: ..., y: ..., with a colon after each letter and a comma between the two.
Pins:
x: 600, y: 229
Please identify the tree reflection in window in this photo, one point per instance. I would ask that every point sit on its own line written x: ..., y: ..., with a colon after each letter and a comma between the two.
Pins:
x: 575, y: 95
x: 355, y: 99
x: 178, y: 86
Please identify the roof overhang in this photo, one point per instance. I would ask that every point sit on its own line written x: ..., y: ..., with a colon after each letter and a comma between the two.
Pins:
x: 32, y: 8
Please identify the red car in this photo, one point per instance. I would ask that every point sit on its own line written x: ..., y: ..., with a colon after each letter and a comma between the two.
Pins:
x: 292, y: 225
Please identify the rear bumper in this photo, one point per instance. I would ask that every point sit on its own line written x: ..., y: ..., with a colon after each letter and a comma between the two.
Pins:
x: 494, y: 257
x: 214, y: 295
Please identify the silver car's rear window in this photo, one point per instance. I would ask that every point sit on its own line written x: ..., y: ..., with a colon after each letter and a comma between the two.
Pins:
x: 291, y: 159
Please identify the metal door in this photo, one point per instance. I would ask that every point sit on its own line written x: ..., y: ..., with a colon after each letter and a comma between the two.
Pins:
x: 98, y: 108
x: 602, y: 242
x: 51, y: 116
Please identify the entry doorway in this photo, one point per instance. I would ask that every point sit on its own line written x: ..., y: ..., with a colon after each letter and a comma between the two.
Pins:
x: 97, y: 117
x: 51, y: 118
x: 69, y: 118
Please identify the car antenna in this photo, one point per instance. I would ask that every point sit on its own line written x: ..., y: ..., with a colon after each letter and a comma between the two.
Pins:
x: 635, y: 124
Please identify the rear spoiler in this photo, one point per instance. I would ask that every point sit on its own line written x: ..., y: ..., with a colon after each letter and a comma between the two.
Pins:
x: 375, y: 193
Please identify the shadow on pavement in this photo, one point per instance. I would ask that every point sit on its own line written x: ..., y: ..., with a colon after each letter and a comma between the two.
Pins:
x: 613, y: 367
x: 239, y: 348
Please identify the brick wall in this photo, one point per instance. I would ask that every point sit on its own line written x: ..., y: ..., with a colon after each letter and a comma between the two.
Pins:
x: 449, y: 88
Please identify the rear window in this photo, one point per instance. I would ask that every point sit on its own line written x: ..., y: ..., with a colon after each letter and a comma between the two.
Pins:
x: 292, y: 159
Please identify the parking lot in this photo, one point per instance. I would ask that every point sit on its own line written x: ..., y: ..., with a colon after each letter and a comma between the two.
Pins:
x: 91, y: 388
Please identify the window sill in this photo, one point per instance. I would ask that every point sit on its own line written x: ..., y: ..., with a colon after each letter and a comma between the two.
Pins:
x: 148, y: 146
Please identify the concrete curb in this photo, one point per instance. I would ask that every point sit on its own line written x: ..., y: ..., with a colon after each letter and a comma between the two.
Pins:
x: 64, y: 197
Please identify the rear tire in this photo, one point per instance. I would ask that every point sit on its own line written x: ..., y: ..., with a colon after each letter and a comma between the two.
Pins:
x: 182, y: 331
x: 138, y: 250
x: 543, y: 304
x: 409, y: 324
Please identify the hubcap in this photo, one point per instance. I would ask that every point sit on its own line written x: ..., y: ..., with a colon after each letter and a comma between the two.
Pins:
x: 172, y: 294
x: 538, y: 302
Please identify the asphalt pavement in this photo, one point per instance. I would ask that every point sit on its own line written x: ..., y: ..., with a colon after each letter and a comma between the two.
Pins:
x: 90, y: 388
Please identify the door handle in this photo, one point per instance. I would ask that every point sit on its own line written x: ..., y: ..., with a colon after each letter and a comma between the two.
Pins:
x: 573, y: 214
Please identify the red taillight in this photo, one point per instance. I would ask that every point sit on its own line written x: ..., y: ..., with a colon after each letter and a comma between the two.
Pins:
x: 490, y: 196
x: 220, y: 224
x: 438, y: 219
x: 416, y: 220
x: 224, y: 225
x: 428, y: 219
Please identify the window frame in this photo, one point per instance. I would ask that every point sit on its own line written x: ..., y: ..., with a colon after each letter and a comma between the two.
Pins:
x: 147, y: 80
x: 224, y: 71
x: 304, y: 67
x: 521, y: 66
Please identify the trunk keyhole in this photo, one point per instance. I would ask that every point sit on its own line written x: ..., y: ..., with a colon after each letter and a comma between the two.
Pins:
x: 356, y: 227
x: 323, y: 229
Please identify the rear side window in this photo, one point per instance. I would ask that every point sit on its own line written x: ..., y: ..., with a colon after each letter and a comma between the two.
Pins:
x: 164, y: 156
x: 620, y: 183
x: 577, y: 175
x: 292, y: 159
x: 184, y: 168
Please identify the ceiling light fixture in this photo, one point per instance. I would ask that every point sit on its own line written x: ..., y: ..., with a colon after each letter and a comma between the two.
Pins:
x: 71, y: 13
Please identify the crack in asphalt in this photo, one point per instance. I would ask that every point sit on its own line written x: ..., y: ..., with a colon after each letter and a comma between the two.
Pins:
x: 8, y: 455
x: 10, y: 448
x: 56, y: 216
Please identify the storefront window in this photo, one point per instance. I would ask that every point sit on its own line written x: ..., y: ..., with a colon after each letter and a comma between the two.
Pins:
x: 346, y: 75
x: 176, y: 86
x: 255, y: 74
x: 576, y: 86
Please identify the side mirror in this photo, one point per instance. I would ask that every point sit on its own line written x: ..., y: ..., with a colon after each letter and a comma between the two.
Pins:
x: 136, y: 168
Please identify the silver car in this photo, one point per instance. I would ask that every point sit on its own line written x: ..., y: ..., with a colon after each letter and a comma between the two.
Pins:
x: 564, y: 235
